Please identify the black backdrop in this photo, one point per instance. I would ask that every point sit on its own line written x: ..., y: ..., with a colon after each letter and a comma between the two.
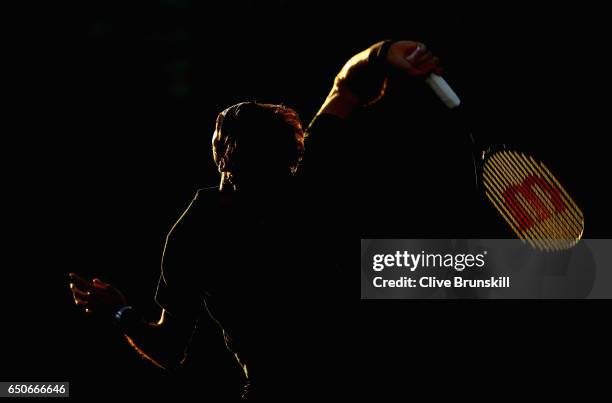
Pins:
x: 119, y: 103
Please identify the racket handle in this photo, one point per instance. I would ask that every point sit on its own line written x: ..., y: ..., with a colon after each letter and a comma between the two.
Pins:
x: 443, y: 91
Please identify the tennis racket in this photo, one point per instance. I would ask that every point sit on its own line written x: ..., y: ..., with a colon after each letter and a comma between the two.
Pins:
x: 525, y: 193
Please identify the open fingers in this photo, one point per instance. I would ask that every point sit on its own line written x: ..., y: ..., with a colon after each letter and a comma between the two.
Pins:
x: 80, y: 302
x: 78, y: 293
x: 80, y: 282
x: 80, y: 297
x: 100, y: 284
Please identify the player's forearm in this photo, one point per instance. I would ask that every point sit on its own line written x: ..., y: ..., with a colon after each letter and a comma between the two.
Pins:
x: 157, y: 342
x: 339, y: 103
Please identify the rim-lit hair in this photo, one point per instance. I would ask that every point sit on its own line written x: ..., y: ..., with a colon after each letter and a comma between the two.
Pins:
x: 255, y: 139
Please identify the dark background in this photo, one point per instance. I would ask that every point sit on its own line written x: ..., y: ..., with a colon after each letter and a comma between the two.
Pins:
x: 116, y: 104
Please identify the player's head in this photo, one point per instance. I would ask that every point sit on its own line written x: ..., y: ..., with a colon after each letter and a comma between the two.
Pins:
x: 255, y: 142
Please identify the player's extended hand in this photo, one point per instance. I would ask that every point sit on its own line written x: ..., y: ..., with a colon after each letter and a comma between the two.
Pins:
x: 95, y: 296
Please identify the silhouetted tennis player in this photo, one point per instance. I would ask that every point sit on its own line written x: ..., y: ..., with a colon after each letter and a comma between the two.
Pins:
x: 240, y: 267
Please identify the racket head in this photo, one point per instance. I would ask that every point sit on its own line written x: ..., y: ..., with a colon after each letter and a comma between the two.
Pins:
x: 531, y: 200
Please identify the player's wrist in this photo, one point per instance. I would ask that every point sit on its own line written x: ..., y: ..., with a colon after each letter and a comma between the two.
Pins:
x: 378, y: 53
x: 125, y: 316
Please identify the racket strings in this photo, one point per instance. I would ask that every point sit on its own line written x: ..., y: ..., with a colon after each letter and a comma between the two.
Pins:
x: 555, y: 227
x: 531, y: 205
x: 532, y: 201
x: 548, y: 230
x: 566, y: 218
x: 512, y: 212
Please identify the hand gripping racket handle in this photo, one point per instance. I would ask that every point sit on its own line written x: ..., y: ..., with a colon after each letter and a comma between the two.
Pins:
x: 443, y: 91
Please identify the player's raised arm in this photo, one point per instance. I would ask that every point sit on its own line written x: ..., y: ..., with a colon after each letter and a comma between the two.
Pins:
x: 363, y: 78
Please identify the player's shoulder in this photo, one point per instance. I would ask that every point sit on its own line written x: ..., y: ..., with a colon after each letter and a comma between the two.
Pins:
x: 203, y: 199
x: 206, y: 193
x: 198, y: 207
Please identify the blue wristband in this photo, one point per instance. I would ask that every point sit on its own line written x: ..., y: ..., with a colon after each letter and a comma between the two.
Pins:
x: 119, y: 313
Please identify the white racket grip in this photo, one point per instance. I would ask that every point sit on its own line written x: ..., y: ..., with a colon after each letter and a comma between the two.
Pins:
x: 443, y: 90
